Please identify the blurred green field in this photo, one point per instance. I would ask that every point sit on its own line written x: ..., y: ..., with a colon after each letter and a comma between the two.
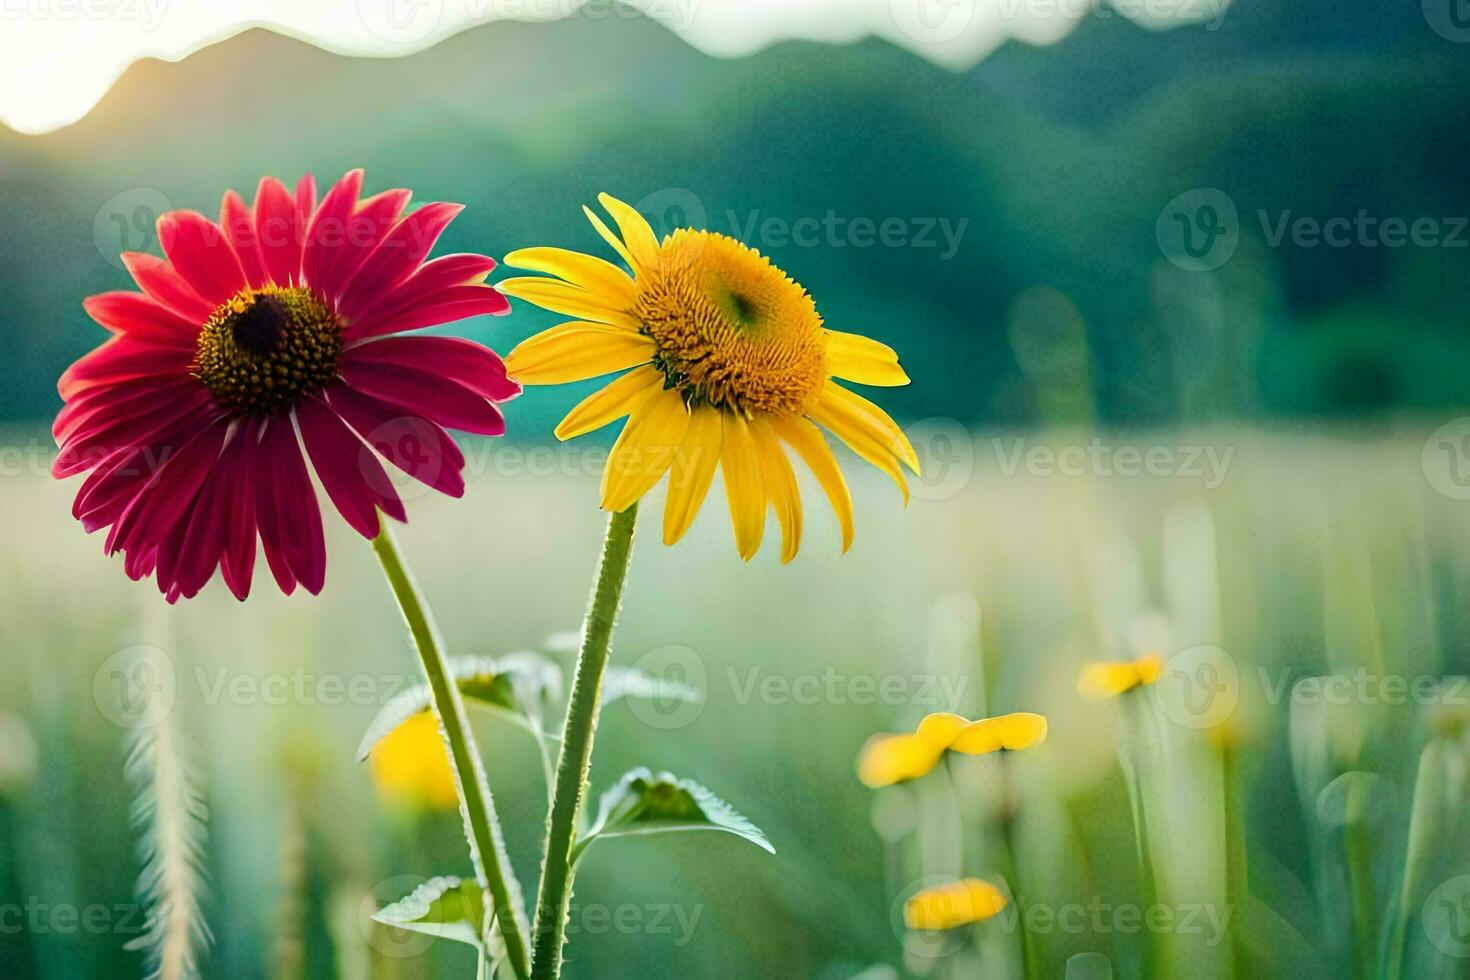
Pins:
x: 1330, y: 553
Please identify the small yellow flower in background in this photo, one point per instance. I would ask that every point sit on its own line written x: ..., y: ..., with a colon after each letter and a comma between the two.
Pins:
x: 728, y: 364
x: 958, y: 903
x: 1113, y: 677
x: 411, y: 766
x: 889, y: 759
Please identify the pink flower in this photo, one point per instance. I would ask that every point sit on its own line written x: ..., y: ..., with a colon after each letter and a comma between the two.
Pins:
x: 276, y: 336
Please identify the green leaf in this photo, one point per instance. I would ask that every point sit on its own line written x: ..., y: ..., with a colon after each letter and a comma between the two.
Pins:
x: 642, y: 803
x: 519, y: 685
x: 631, y: 682
x: 447, y: 907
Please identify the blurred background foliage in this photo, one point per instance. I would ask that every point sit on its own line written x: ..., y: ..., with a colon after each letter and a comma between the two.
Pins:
x: 1324, y: 550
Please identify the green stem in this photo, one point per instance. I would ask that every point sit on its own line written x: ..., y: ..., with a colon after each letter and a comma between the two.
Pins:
x: 1237, y: 888
x: 482, y: 829
x: 576, y: 747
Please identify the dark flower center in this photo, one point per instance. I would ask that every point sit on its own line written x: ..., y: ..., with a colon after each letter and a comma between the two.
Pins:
x: 264, y: 349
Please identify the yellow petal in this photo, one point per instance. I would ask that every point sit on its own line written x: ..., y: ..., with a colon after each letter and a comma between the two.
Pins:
x: 410, y: 766
x: 1013, y: 732
x: 609, y: 237
x: 743, y: 490
x: 875, y: 421
x: 780, y: 481
x: 577, y: 351
x: 561, y: 297
x: 637, y: 235
x: 611, y: 403
x: 889, y: 759
x: 959, y: 903
x: 857, y: 358
x: 692, y: 472
x: 810, y: 445
x: 848, y: 426
x: 644, y: 450
x: 1112, y: 677
x: 1150, y: 666
x: 587, y: 271
x: 940, y: 728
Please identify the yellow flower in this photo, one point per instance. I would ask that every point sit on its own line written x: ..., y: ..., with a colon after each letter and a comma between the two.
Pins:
x: 889, y: 759
x: 730, y: 364
x: 411, y: 766
x: 1113, y: 677
x: 958, y: 903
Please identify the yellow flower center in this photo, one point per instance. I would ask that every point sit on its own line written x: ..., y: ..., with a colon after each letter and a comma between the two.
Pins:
x: 264, y: 348
x: 732, y: 330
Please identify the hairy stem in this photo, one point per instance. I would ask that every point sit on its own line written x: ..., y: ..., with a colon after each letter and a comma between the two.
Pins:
x: 576, y: 746
x: 482, y: 828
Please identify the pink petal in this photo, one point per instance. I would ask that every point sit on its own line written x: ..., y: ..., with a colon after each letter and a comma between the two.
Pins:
x: 122, y: 359
x: 101, y: 403
x: 286, y: 506
x: 165, y: 286
x: 138, y: 316
x: 305, y: 200
x: 446, y: 402
x: 445, y: 306
x: 326, y: 236
x: 476, y: 367
x: 398, y: 256
x: 431, y: 277
x: 239, y: 225
x: 348, y: 469
x: 410, y: 442
x: 238, y: 561
x: 202, y: 254
x: 115, y: 432
x: 167, y: 495
x: 279, y: 232
x: 366, y: 229
x: 120, y: 477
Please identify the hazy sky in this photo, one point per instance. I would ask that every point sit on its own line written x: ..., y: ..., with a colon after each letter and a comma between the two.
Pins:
x: 58, y: 57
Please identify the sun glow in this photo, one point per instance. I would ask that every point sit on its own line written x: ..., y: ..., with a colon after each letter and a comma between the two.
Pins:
x: 59, y: 57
